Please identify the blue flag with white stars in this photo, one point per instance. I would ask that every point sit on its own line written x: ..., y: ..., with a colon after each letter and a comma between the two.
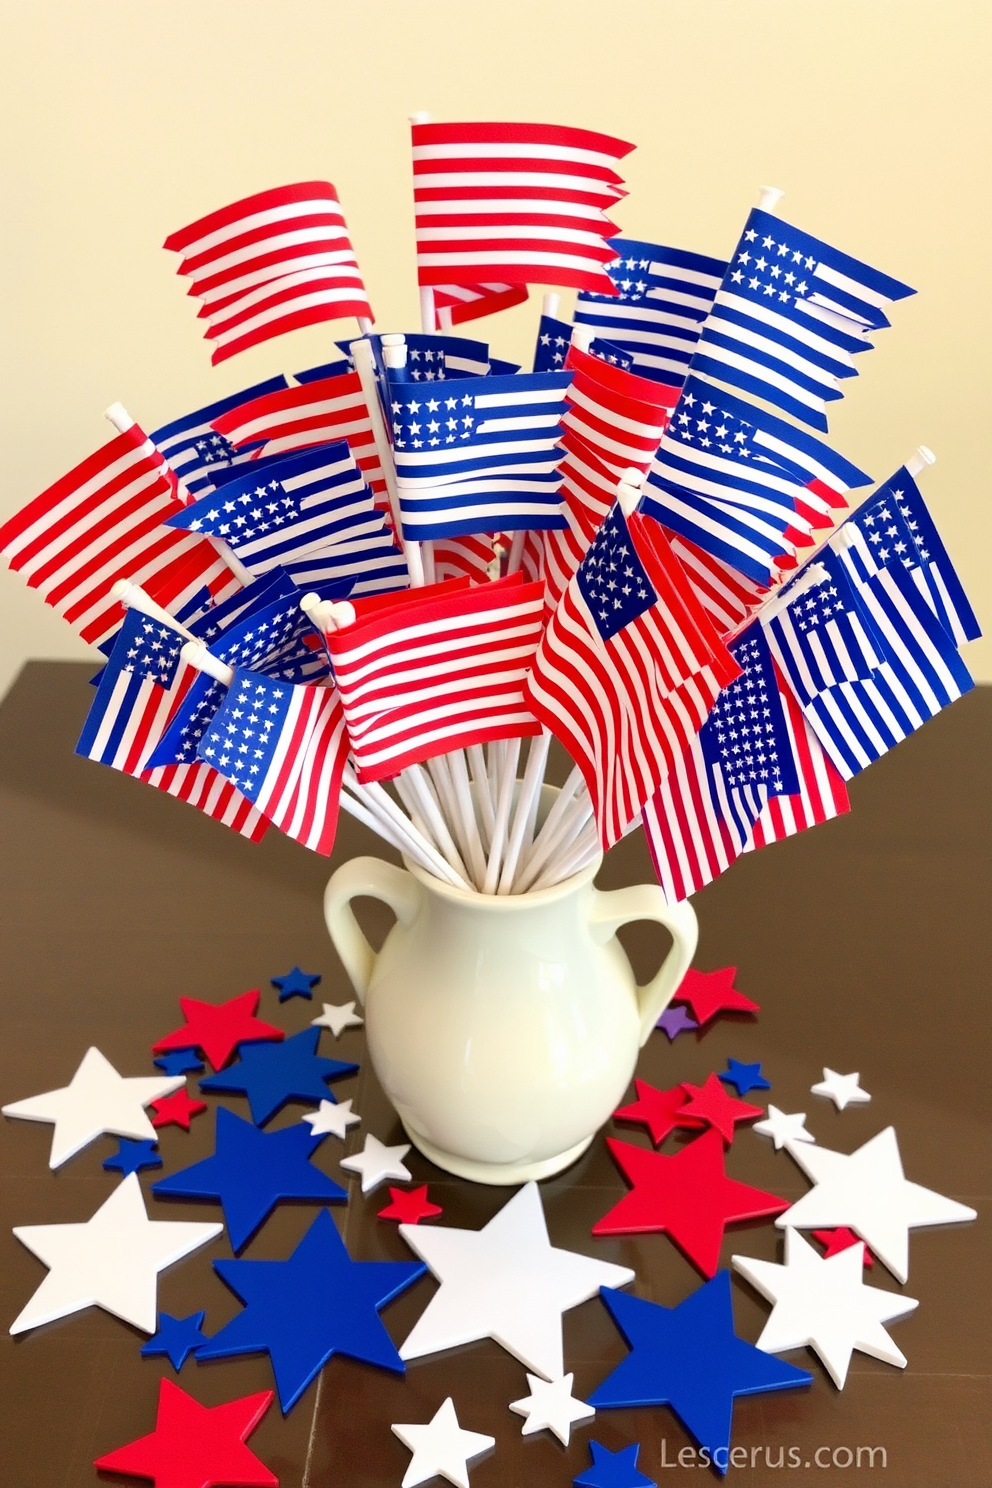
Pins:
x: 194, y: 449
x: 142, y: 667
x: 822, y: 635
x: 612, y: 579
x: 553, y: 340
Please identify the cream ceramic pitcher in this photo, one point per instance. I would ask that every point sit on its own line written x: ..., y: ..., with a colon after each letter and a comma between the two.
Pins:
x: 504, y: 1029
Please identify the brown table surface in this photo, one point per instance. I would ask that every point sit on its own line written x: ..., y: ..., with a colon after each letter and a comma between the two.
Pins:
x: 864, y: 941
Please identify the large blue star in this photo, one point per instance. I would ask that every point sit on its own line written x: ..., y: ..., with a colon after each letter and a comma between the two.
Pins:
x: 296, y: 983
x: 251, y: 1171
x: 744, y: 1077
x: 689, y: 1358
x: 176, y: 1337
x: 131, y: 1157
x: 272, y: 1074
x: 317, y: 1303
x: 613, y: 1469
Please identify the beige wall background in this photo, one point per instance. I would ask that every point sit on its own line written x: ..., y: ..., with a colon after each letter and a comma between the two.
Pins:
x: 123, y: 121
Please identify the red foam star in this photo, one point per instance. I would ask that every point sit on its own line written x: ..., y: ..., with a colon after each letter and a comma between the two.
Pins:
x: 217, y: 1029
x: 712, y: 992
x: 657, y: 1110
x: 687, y: 1196
x: 712, y: 1104
x: 840, y: 1239
x: 196, y: 1446
x: 176, y: 1109
x: 409, y: 1207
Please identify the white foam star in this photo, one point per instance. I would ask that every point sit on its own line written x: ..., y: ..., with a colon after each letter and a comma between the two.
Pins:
x: 332, y: 1118
x: 337, y: 1017
x: 783, y: 1126
x: 376, y: 1162
x: 843, y: 1090
x: 551, y: 1406
x: 441, y: 1449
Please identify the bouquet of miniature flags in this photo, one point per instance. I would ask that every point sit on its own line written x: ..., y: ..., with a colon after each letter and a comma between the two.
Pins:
x: 384, y: 583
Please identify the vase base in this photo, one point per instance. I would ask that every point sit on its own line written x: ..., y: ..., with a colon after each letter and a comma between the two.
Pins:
x: 496, y: 1173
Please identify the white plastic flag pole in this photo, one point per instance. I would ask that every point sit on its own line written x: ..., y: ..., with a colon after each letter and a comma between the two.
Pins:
x: 584, y: 851
x: 118, y: 415
x: 919, y: 460
x: 440, y: 774
x: 556, y: 825
x: 417, y: 780
x: 458, y: 771
x: 504, y: 800
x: 361, y: 355
x: 537, y: 758
x: 195, y: 653
x: 565, y: 836
x: 380, y: 803
x: 549, y: 305
x: 515, y: 561
x: 133, y: 597
x: 480, y: 779
x: 443, y: 314
x: 583, y: 336
x: 769, y: 198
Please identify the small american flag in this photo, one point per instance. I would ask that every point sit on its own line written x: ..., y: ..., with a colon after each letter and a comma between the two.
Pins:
x: 627, y: 670
x: 621, y: 416
x: 520, y: 203
x: 437, y: 669
x: 284, y: 747
x: 271, y: 263
x: 193, y: 446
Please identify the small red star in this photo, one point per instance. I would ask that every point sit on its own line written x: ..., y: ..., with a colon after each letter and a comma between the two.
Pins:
x: 712, y: 992
x: 657, y: 1110
x: 176, y: 1109
x: 687, y: 1196
x: 712, y: 1104
x: 216, y: 1029
x: 196, y: 1446
x: 840, y: 1239
x: 409, y: 1207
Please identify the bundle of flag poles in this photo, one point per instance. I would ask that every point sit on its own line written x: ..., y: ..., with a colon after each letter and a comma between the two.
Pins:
x: 384, y: 583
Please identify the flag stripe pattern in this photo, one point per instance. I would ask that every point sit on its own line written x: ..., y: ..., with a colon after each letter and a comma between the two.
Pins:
x: 663, y: 296
x: 422, y: 676
x: 284, y: 747
x: 101, y: 522
x: 271, y: 263
x: 471, y: 301
x: 819, y: 633
x: 195, y: 449
x: 621, y: 416
x: 516, y: 203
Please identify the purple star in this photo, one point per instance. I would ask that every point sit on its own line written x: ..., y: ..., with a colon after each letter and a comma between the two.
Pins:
x: 675, y: 1020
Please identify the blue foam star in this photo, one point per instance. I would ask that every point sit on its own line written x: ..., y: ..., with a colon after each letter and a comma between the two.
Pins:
x: 177, y: 1337
x: 317, y: 1303
x: 689, y: 1358
x: 272, y: 1074
x: 744, y: 1077
x: 251, y: 1171
x: 131, y: 1157
x: 180, y: 1062
x: 295, y: 983
x: 613, y: 1469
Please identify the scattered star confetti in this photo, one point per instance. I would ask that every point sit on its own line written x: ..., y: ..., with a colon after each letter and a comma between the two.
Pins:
x: 176, y: 1110
x: 441, y: 1449
x: 376, y: 1162
x: 331, y: 1119
x: 657, y: 1110
x: 744, y: 1077
x: 131, y: 1157
x: 296, y: 983
x: 272, y: 1074
x: 196, y: 1444
x: 181, y: 1062
x: 711, y: 1103
x: 710, y: 992
x: 176, y: 1337
x: 550, y: 1406
x: 613, y: 1469
x: 841, y: 1239
x: 410, y: 1206
x: 783, y: 1127
x: 337, y: 1017
x: 843, y: 1090
x: 216, y: 1029
x: 675, y: 1020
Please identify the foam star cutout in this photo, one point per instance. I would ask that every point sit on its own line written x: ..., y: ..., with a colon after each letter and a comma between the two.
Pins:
x: 176, y: 1337
x: 110, y: 1261
x: 296, y: 983
x: 841, y: 1239
x: 868, y: 1192
x: 331, y: 1119
x: 675, y: 1020
x: 216, y: 1029
x: 441, y: 1449
x: 131, y: 1157
x: 97, y: 1100
x: 712, y: 992
x: 551, y: 1406
x: 338, y: 1017
x: 250, y: 1172
x: 712, y: 1104
x: 823, y: 1302
x: 181, y: 1062
x: 690, y: 1359
x: 176, y: 1110
x: 272, y: 1074
x: 783, y: 1126
x: 196, y: 1446
x: 687, y: 1196
x: 316, y: 1303
x: 656, y: 1109
x: 744, y: 1077
x: 843, y: 1090
x: 613, y: 1469
x: 506, y: 1282
x: 411, y: 1206
x: 376, y: 1162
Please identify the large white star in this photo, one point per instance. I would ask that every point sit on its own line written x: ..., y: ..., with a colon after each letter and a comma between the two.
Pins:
x: 843, y: 1090
x: 96, y: 1100
x: 337, y: 1017
x: 111, y: 1261
x: 504, y: 1282
x: 441, y: 1449
x: 551, y: 1406
x: 824, y: 1303
x: 783, y: 1126
x: 869, y: 1193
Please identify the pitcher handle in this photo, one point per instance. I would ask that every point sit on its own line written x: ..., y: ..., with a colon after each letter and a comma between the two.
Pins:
x: 373, y: 879
x: 617, y: 907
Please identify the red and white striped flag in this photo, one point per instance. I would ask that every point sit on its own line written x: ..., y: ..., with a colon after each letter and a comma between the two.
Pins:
x: 620, y: 416
x: 627, y: 670
x: 271, y: 263
x: 470, y: 301
x: 298, y: 418
x: 588, y: 491
x: 468, y: 556
x: 728, y: 597
x: 515, y: 203
x: 420, y: 676
x: 101, y: 522
x: 284, y: 747
x: 822, y: 794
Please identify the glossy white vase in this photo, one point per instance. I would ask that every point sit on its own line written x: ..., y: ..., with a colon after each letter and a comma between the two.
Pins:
x: 504, y: 1029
